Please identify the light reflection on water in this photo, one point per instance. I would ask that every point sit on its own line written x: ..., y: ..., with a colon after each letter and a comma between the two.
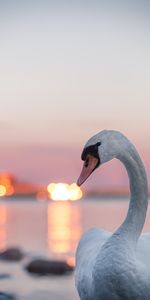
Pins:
x: 64, y: 227
x: 3, y: 221
x: 54, y: 228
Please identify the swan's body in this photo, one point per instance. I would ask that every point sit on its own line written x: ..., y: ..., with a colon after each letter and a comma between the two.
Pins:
x: 115, y: 266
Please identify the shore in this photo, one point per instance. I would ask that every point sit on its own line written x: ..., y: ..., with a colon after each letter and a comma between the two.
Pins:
x: 29, y: 287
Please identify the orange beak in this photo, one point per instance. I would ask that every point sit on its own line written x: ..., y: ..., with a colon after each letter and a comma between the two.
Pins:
x: 93, y: 162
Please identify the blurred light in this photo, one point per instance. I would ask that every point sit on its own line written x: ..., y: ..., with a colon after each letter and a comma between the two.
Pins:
x: 51, y: 187
x: 6, y: 185
x: 3, y: 223
x: 59, y: 227
x: 71, y: 261
x: 41, y: 195
x: 9, y: 190
x: 64, y: 191
x: 64, y: 228
x: 75, y: 192
x: 59, y: 191
x: 2, y: 190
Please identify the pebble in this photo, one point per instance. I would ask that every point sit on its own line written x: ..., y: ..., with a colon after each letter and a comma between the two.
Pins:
x: 46, y: 267
x: 12, y: 254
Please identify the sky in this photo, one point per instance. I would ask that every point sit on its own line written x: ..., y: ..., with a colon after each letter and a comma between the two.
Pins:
x: 69, y: 69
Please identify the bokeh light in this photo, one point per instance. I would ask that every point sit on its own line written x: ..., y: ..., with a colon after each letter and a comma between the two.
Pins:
x: 75, y: 192
x: 6, y: 185
x: 2, y: 190
x: 64, y: 191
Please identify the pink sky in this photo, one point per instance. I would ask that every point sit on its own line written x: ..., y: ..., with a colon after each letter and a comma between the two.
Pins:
x: 67, y: 72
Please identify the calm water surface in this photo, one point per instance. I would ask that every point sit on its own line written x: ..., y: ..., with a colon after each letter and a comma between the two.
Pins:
x: 55, y: 228
x: 51, y: 229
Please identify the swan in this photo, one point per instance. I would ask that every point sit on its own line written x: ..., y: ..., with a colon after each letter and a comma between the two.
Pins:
x: 115, y: 266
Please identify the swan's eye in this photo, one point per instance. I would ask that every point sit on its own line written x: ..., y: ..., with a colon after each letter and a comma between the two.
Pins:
x: 98, y: 144
x: 86, y: 163
x: 90, y: 150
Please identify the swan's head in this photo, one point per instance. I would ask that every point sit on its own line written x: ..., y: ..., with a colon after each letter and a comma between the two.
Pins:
x: 101, y: 148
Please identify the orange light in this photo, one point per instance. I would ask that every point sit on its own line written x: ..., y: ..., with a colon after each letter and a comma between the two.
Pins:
x: 41, y: 195
x: 64, y: 191
x: 3, y: 223
x: 3, y: 190
x: 59, y: 191
x: 75, y: 192
x: 64, y: 228
x: 59, y: 231
x: 9, y: 190
x: 6, y: 185
x: 71, y: 261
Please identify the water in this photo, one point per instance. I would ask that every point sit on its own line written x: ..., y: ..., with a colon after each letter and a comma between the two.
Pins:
x: 51, y: 229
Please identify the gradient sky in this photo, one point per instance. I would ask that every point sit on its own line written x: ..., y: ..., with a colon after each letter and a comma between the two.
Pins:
x: 69, y: 69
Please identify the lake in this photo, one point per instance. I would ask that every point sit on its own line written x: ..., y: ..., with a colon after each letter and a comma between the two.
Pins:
x: 51, y: 229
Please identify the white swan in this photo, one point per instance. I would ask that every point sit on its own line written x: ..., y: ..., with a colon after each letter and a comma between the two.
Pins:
x: 115, y: 266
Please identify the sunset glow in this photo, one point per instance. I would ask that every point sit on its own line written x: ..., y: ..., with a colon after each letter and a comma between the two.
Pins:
x: 75, y: 192
x: 64, y: 191
x: 64, y: 228
x: 3, y: 220
x: 6, y: 187
x: 2, y: 190
x: 91, y: 67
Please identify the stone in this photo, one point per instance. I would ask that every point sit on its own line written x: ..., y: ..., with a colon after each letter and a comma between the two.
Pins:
x: 47, y: 267
x: 4, y: 296
x: 12, y: 254
x: 4, y: 276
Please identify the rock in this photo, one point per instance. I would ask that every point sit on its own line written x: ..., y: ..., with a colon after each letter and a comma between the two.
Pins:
x: 4, y: 296
x: 48, y: 267
x: 12, y: 254
x: 4, y: 276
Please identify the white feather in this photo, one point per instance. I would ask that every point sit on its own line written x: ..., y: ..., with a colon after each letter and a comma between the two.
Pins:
x: 116, y: 266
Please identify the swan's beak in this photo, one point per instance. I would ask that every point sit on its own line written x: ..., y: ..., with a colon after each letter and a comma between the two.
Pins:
x: 93, y: 163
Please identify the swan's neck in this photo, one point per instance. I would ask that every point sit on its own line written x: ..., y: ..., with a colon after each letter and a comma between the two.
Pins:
x: 133, y: 224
